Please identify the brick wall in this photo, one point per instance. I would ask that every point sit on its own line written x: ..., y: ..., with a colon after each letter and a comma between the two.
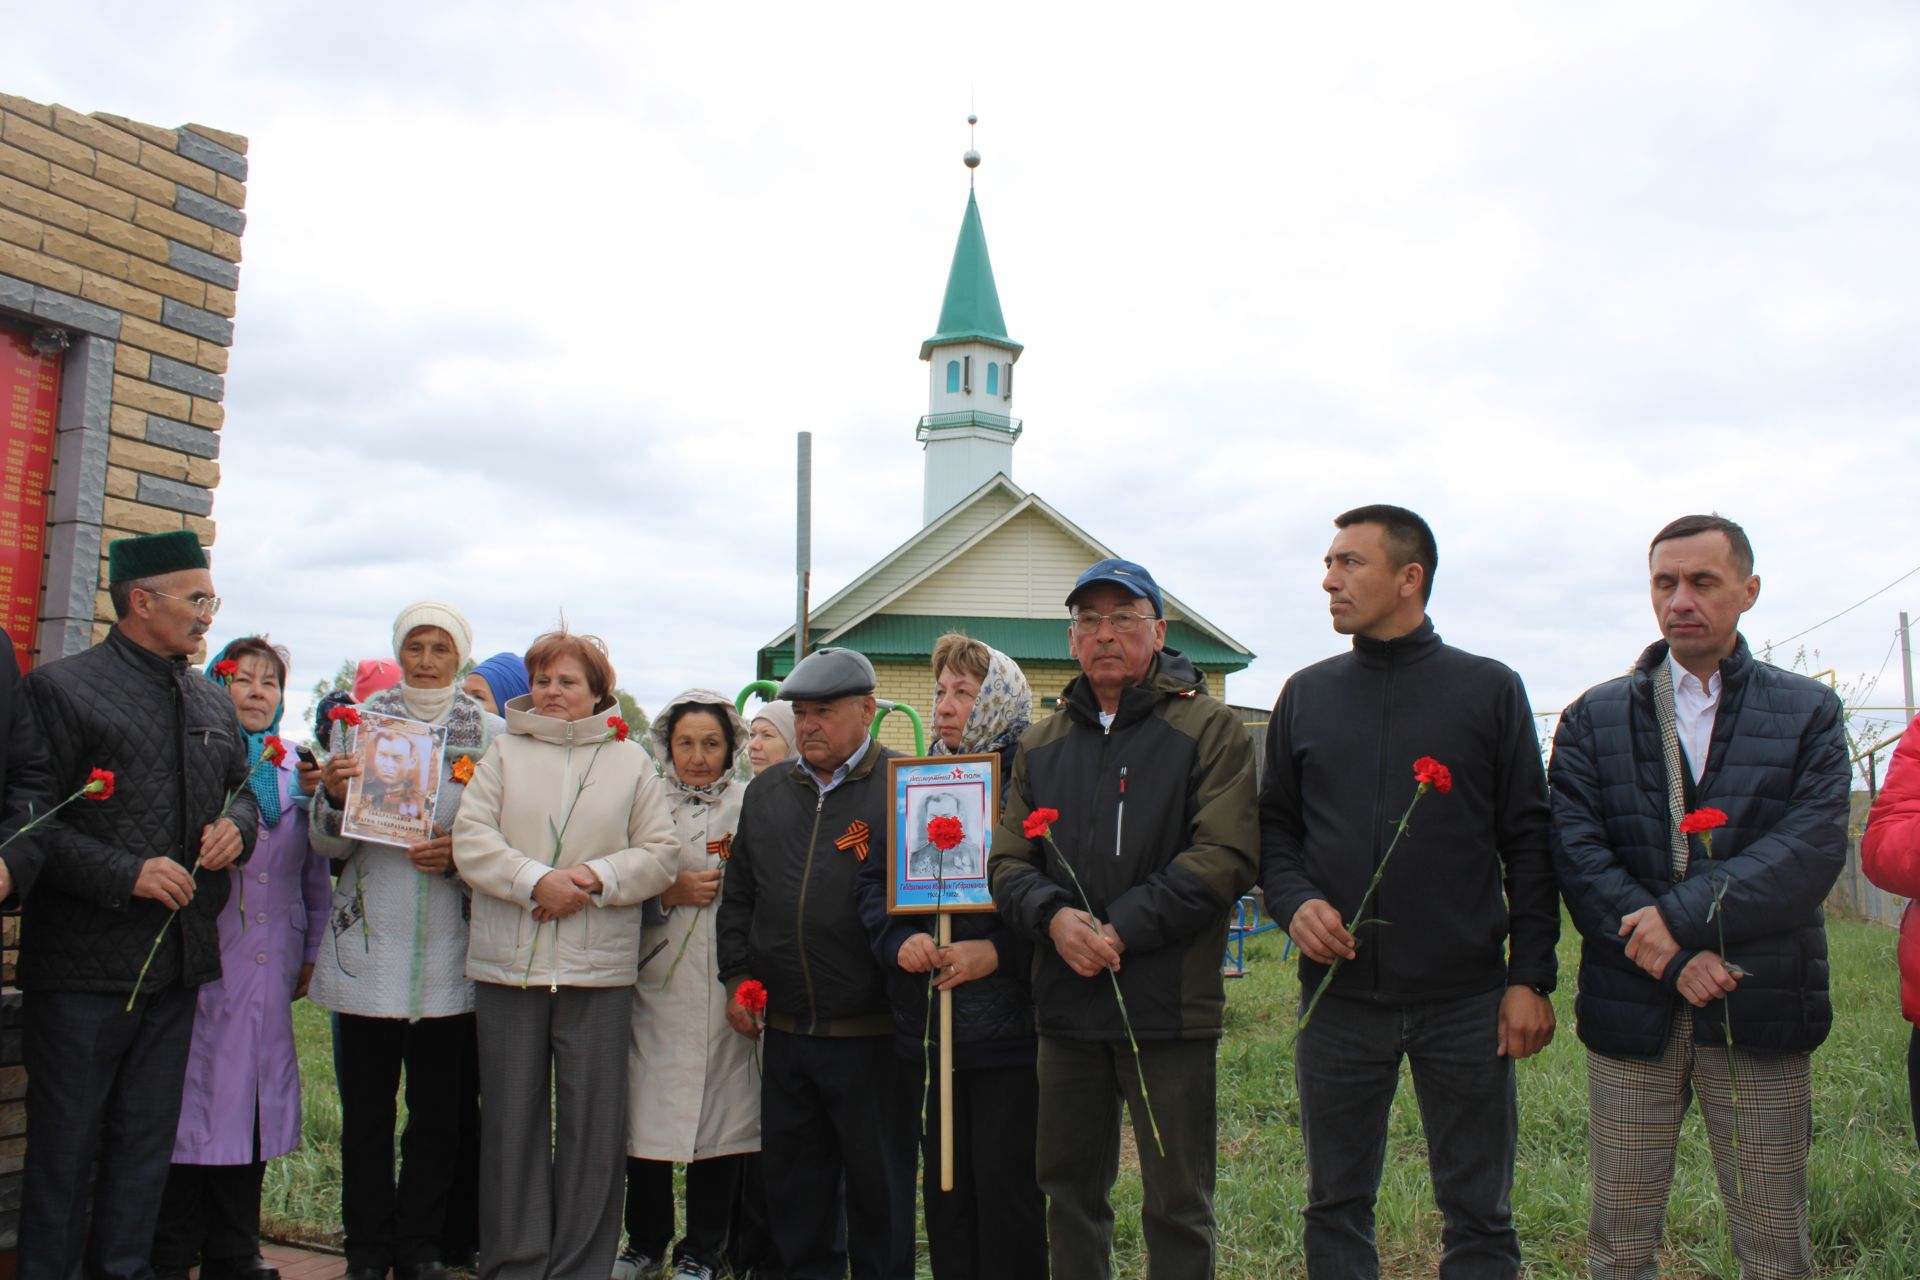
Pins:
x: 127, y: 237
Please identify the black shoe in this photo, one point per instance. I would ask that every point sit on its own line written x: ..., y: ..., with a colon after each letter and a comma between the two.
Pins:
x: 422, y: 1271
x: 170, y: 1273
x: 254, y: 1267
x: 365, y: 1273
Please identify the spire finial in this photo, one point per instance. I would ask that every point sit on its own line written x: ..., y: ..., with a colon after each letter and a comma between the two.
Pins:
x: 972, y: 158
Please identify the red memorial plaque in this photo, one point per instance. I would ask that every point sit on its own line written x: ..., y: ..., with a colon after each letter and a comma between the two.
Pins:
x: 29, y: 396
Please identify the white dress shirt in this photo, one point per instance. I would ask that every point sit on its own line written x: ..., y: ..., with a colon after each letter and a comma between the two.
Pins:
x: 1694, y: 706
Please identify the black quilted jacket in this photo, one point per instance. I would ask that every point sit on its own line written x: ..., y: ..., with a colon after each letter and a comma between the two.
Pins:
x: 24, y: 785
x: 1778, y: 768
x: 176, y: 751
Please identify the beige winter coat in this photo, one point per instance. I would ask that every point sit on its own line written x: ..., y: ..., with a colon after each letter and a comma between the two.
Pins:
x: 610, y: 811
x: 693, y: 1091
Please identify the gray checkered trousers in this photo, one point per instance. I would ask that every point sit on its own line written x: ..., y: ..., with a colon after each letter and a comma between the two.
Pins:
x: 1635, y: 1106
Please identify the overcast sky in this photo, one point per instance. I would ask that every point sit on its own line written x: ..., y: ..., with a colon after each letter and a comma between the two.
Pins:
x: 535, y: 298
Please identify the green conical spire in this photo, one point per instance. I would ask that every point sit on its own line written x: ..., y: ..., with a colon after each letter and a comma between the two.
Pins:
x: 971, y: 309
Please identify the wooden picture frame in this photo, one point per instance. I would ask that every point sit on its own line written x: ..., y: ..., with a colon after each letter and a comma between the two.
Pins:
x: 923, y: 880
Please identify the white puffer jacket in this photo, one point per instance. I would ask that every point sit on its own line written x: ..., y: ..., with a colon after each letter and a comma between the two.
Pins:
x: 610, y: 812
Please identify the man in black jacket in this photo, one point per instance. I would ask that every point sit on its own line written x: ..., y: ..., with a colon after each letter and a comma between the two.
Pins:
x: 26, y: 786
x: 836, y: 1106
x: 1456, y: 976
x: 1153, y: 842
x: 103, y: 1081
x: 1684, y: 940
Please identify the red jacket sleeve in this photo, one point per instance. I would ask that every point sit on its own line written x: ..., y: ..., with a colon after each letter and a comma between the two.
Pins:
x: 1890, y: 850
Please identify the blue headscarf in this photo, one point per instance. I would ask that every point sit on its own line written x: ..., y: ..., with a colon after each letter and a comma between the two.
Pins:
x: 506, y: 675
x: 263, y: 778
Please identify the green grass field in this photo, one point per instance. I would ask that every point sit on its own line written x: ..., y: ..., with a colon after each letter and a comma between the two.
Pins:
x: 1865, y: 1170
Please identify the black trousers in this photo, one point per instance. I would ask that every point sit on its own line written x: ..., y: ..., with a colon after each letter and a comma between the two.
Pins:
x: 750, y: 1248
x: 460, y: 1234
x: 399, y: 1222
x: 993, y: 1224
x: 839, y: 1112
x: 1913, y: 1079
x: 712, y: 1187
x: 103, y: 1102
x: 210, y: 1213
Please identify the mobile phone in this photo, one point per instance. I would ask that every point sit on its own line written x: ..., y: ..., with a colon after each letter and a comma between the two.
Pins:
x: 306, y: 755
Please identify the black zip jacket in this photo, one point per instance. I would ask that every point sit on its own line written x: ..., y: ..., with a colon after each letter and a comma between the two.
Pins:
x: 1778, y: 768
x: 1469, y: 895
x: 1165, y: 875
x: 176, y: 751
x: 788, y: 914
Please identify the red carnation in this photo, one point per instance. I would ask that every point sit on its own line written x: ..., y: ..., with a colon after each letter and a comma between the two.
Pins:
x: 1429, y: 772
x: 1702, y: 820
x: 344, y: 714
x: 99, y: 785
x: 226, y: 669
x: 945, y: 832
x: 273, y: 751
x: 1040, y: 823
x: 752, y: 996
x: 619, y: 727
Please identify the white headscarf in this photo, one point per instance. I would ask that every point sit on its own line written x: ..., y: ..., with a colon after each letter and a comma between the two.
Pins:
x: 431, y: 705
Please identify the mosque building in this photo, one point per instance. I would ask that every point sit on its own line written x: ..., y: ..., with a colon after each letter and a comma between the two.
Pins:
x: 991, y: 559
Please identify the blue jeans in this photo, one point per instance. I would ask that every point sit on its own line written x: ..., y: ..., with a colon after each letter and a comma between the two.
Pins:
x: 1347, y: 1066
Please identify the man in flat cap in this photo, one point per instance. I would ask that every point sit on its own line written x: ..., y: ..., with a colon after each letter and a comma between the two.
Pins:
x: 104, y: 1079
x: 1152, y: 781
x: 836, y: 1106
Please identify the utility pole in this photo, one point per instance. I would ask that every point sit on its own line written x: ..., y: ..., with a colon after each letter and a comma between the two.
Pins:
x: 803, y: 548
x: 1906, y: 662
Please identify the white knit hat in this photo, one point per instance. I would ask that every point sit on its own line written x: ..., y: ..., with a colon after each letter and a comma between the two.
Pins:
x: 779, y: 714
x: 433, y: 613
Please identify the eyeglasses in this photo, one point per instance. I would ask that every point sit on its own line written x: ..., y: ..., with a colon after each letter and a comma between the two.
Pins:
x: 204, y: 606
x: 1123, y: 622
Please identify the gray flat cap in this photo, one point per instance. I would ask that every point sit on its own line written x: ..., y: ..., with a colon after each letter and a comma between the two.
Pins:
x: 828, y: 673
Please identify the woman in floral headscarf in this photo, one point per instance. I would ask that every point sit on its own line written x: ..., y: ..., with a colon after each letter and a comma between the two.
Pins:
x: 241, y: 1106
x: 993, y: 1222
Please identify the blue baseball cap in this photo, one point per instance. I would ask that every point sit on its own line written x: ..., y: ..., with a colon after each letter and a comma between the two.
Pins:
x: 1124, y: 574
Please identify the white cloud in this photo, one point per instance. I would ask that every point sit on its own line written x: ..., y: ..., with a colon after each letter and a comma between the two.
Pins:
x: 546, y: 293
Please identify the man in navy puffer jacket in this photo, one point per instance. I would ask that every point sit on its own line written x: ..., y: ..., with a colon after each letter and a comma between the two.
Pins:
x: 1682, y: 938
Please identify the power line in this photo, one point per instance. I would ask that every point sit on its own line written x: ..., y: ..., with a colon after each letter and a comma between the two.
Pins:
x: 1875, y: 682
x: 1849, y: 609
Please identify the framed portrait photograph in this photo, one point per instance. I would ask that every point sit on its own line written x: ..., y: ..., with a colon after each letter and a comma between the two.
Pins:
x: 944, y: 810
x: 401, y: 767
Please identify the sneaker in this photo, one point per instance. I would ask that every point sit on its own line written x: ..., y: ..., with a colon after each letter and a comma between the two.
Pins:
x: 689, y: 1269
x: 635, y: 1265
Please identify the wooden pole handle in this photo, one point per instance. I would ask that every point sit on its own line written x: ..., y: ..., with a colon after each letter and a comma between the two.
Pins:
x: 946, y: 1067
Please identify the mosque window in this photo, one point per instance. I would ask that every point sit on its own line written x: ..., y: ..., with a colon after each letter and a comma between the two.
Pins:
x: 993, y: 378
x: 966, y: 374
x: 1007, y: 390
x: 953, y: 375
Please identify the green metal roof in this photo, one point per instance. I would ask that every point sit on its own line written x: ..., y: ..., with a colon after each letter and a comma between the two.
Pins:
x: 971, y: 310
x: 911, y: 635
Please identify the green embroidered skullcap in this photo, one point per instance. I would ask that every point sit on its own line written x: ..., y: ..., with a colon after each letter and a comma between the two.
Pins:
x: 152, y: 554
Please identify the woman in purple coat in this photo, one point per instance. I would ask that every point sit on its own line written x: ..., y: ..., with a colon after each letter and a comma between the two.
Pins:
x: 241, y: 1106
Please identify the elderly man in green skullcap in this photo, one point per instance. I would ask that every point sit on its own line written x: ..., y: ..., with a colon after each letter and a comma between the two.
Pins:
x: 106, y: 1048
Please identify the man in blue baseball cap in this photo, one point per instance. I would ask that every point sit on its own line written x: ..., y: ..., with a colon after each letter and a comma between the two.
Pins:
x: 1153, y: 783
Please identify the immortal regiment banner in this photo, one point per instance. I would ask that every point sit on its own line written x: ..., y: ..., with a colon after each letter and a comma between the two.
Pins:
x: 391, y: 801
x: 29, y: 396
